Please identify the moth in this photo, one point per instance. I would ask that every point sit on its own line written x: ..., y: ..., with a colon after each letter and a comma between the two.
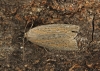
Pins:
x: 54, y: 36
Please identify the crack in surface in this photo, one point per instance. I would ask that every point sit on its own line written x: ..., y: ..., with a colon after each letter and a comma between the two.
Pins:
x: 93, y: 28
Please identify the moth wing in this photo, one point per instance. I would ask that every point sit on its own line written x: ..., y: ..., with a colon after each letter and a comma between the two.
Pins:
x: 55, y: 36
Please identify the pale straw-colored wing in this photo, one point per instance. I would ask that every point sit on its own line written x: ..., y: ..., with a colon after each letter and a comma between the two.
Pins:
x: 54, y: 36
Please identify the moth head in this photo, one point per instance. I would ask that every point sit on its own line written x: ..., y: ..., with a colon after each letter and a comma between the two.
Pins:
x: 30, y: 35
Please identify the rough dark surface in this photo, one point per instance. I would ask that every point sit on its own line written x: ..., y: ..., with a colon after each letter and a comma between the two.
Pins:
x: 19, y: 55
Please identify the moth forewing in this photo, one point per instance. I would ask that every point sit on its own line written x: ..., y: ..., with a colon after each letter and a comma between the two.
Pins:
x: 54, y: 36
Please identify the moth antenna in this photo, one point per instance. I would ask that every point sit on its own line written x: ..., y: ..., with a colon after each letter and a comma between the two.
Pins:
x: 32, y: 25
x: 23, y: 43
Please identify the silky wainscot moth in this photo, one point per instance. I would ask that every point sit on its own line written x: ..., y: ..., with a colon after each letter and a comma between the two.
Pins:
x: 54, y: 36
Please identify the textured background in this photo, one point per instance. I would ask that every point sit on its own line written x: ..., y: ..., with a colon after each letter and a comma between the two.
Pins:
x: 15, y: 15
